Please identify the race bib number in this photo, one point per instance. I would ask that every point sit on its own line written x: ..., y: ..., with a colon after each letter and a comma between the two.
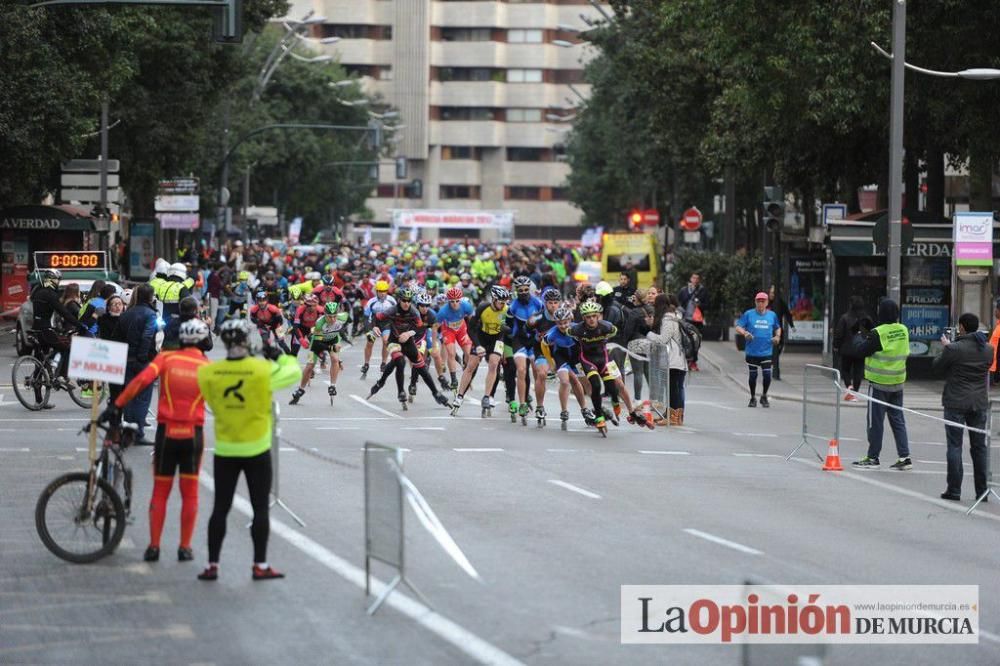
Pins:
x: 498, y: 347
x: 612, y: 370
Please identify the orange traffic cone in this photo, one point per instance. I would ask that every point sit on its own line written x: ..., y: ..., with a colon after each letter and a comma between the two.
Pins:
x: 647, y: 412
x: 832, y: 463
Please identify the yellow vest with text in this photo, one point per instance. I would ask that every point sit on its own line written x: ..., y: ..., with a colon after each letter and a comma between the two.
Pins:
x: 888, y: 366
x: 171, y: 291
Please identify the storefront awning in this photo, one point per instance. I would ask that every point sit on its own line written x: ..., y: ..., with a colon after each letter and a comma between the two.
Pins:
x: 46, y: 218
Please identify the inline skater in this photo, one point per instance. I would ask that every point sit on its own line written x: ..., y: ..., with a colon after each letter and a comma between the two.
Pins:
x: 379, y: 304
x: 562, y: 351
x: 523, y: 311
x: 593, y: 334
x: 325, y: 337
x: 326, y: 291
x: 404, y: 326
x: 426, y: 334
x: 238, y: 293
x: 540, y: 325
x: 267, y: 318
x: 469, y: 290
x: 454, y: 330
x: 486, y: 331
x: 303, y: 322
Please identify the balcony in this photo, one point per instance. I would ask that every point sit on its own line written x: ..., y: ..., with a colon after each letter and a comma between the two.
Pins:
x: 362, y: 51
x: 532, y: 135
x: 458, y: 172
x: 369, y: 13
x: 467, y: 93
x: 466, y: 133
x: 467, y: 54
x: 539, y: 174
x: 468, y: 14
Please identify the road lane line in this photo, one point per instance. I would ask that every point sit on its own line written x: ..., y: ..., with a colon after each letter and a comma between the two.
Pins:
x: 933, y: 462
x: 484, y: 450
x: 711, y: 404
x: 758, y: 455
x: 424, y: 428
x: 575, y: 489
x: 378, y: 409
x: 336, y: 428
x: 754, y: 434
x: 14, y: 450
x: 562, y: 450
x: 448, y: 630
x: 667, y: 453
x: 723, y: 542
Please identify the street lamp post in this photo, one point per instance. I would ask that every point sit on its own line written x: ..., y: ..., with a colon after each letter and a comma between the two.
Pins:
x: 894, y: 267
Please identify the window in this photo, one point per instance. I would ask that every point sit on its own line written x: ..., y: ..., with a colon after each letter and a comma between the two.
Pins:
x: 467, y: 113
x: 524, y: 115
x: 524, y: 192
x: 526, y: 155
x: 524, y: 36
x: 385, y: 73
x: 560, y: 194
x: 524, y: 76
x: 357, y: 71
x: 460, y: 153
x: 568, y: 76
x: 459, y: 192
x: 385, y: 191
x: 352, y: 31
x: 466, y: 34
x: 465, y: 74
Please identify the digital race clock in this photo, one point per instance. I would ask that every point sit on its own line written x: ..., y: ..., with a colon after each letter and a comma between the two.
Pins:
x: 72, y: 260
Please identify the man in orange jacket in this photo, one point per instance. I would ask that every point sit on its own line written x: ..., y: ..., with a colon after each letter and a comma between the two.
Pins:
x: 995, y: 343
x: 179, y: 441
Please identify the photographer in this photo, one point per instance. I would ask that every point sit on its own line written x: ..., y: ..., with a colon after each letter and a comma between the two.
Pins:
x: 694, y: 300
x: 965, y: 364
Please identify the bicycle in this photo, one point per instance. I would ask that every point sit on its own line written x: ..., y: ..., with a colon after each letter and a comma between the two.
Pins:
x: 81, y: 516
x: 35, y: 375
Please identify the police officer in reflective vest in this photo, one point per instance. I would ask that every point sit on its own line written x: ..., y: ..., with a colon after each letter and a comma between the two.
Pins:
x: 885, y: 350
x: 176, y: 288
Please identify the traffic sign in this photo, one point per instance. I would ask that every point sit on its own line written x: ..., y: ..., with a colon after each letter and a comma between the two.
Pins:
x: 651, y: 217
x: 90, y: 166
x: 692, y: 219
x: 87, y: 179
x: 89, y: 195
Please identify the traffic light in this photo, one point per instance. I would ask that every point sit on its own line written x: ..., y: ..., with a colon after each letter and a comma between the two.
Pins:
x: 774, y: 208
x: 227, y: 26
x: 635, y: 220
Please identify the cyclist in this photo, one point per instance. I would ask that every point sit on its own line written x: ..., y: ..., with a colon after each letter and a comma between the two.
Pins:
x: 486, y: 331
x: 325, y: 337
x: 524, y: 310
x: 267, y: 318
x: 404, y: 328
x: 469, y: 290
x: 454, y: 330
x: 562, y: 352
x: 239, y: 391
x: 302, y: 325
x: 379, y: 304
x: 45, y: 302
x: 540, y: 325
x: 593, y: 334
x: 179, y: 440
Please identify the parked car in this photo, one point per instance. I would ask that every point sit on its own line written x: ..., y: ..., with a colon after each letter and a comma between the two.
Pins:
x: 26, y: 312
x: 588, y: 272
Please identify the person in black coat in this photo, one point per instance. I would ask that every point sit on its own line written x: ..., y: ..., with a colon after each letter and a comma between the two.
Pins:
x: 966, y: 365
x: 845, y: 343
x: 138, y: 327
x: 779, y: 307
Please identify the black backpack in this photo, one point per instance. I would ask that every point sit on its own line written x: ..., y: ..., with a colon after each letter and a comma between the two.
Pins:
x: 690, y: 339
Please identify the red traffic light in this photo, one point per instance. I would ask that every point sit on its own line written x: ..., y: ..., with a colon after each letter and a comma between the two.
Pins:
x: 635, y: 219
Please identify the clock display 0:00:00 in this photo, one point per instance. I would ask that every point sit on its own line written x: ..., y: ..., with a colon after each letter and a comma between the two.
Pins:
x: 75, y: 260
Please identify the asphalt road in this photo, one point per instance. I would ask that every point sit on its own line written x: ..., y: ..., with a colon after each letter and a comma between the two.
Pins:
x: 555, y: 522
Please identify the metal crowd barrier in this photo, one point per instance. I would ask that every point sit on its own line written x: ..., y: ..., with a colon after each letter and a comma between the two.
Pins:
x: 992, y: 460
x: 821, y: 396
x: 276, y: 466
x: 659, y: 381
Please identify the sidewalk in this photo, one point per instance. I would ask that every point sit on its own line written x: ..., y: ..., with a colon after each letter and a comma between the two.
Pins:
x: 921, y: 395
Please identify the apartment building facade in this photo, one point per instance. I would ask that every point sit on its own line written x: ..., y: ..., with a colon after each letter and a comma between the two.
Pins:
x: 485, y: 91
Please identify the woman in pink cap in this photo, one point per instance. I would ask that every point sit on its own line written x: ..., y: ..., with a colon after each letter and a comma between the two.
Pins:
x: 762, y: 331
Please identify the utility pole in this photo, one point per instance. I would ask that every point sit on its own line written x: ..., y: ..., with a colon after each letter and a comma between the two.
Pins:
x: 105, y: 214
x: 894, y: 263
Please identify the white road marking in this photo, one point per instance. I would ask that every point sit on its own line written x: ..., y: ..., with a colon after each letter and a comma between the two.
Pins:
x: 758, y: 455
x: 423, y: 428
x: 944, y: 504
x: 378, y: 409
x: 14, y: 450
x: 463, y: 639
x: 484, y: 450
x: 337, y: 428
x: 723, y: 542
x: 667, y: 453
x: 562, y: 450
x: 754, y: 434
x: 575, y: 489
x: 930, y: 443
x: 711, y: 404
x: 933, y: 462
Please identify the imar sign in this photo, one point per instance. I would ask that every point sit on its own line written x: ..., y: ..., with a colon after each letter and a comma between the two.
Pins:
x: 973, y: 235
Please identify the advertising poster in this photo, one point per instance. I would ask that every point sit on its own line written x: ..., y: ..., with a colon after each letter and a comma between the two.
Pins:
x: 142, y: 251
x: 806, y: 297
x: 15, y: 272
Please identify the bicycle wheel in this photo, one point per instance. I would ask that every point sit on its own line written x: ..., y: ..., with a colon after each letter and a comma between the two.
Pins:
x: 31, y: 381
x: 71, y: 533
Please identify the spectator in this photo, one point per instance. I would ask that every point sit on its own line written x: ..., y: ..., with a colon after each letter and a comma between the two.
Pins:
x: 94, y: 305
x: 693, y: 298
x: 852, y: 324
x: 779, y: 307
x: 885, y: 350
x: 966, y: 364
x: 638, y: 322
x: 108, y: 329
x: 625, y: 290
x: 762, y: 331
x: 995, y: 343
x: 138, y: 327
x: 214, y: 288
x: 71, y: 301
x: 665, y: 342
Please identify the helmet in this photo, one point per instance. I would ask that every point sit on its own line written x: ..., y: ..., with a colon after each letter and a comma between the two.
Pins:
x: 499, y: 293
x: 49, y: 277
x: 563, y: 313
x: 453, y: 279
x: 327, y: 279
x: 603, y: 288
x: 178, y: 270
x: 432, y: 284
x: 551, y: 294
x: 381, y: 285
x: 454, y: 294
x: 235, y: 333
x: 424, y: 299
x: 405, y: 294
x: 193, y: 331
x: 522, y: 282
x: 590, y: 307
x: 261, y: 296
x: 243, y: 276
x: 331, y: 307
x: 311, y: 299
x: 162, y: 266
x: 269, y: 275
x: 465, y: 276
x: 347, y: 277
